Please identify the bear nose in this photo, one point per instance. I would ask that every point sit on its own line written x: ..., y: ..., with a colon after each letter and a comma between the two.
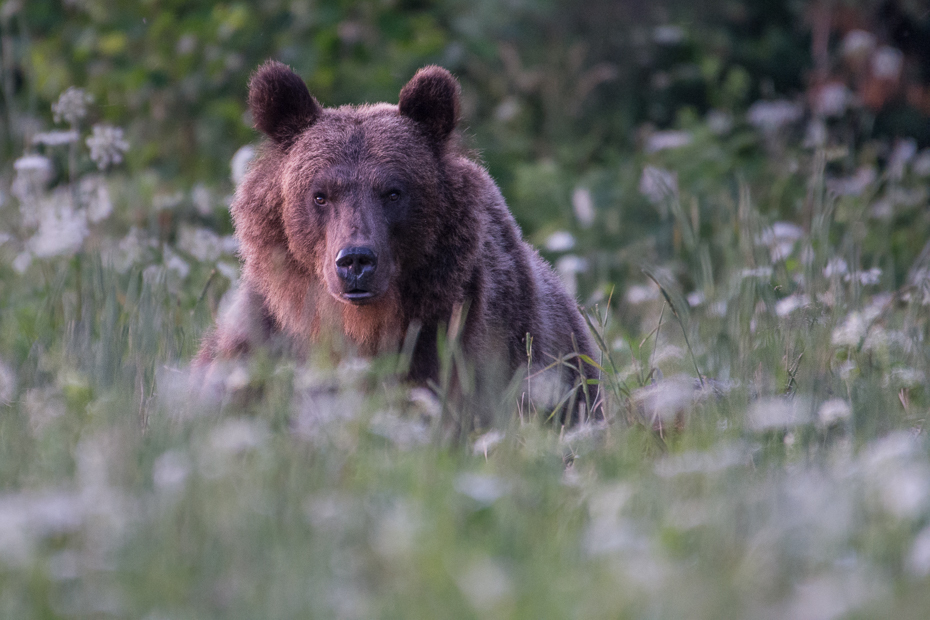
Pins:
x: 355, y: 265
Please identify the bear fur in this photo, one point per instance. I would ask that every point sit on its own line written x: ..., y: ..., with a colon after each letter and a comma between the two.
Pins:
x: 443, y: 249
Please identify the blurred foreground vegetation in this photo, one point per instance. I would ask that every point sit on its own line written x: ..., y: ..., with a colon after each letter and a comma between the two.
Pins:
x: 737, y: 191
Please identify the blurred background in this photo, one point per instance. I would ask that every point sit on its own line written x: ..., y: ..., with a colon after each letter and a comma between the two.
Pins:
x: 565, y: 102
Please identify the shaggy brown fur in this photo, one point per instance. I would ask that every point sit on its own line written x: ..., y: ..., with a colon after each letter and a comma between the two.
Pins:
x: 392, y: 179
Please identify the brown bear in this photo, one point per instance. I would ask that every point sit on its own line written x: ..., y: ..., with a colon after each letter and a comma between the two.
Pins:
x: 372, y: 223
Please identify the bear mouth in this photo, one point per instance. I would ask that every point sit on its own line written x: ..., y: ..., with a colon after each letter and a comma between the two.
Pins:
x: 358, y: 296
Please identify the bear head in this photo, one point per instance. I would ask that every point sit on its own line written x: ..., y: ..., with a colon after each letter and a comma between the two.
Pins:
x: 351, y: 204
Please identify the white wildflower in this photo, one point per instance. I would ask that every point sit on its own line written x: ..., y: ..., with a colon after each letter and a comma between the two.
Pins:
x: 609, y: 531
x: 832, y: 596
x: 668, y: 34
x: 56, y: 138
x: 546, y: 388
x: 27, y: 518
x: 641, y: 293
x: 904, y: 377
x: 485, y: 585
x: 333, y: 512
x: 585, y: 433
x: 883, y: 209
x: 869, y: 277
x: 175, y: 263
x: 404, y: 432
x: 719, y: 122
x: 240, y: 163
x: 853, y: 185
x: 425, y: 401
x: 765, y: 272
x: 202, y: 199
x: 694, y: 462
x: 658, y: 184
x: 131, y: 250
x: 61, y: 231
x: 228, y: 270
x: 487, y: 441
x: 507, y: 110
x: 560, y: 241
x: 815, y: 136
x: 858, y: 44
x: 667, y: 140
x: 890, y: 450
x: 776, y: 413
x: 71, y: 106
x: 846, y: 370
x: 772, y: 116
x: 96, y: 196
x: 22, y: 262
x: 43, y: 406
x: 904, y: 151
x: 887, y: 63
x: 784, y: 307
x: 397, y: 530
x: 7, y: 383
x: 905, y: 491
x: 237, y: 378
x: 921, y: 164
x: 831, y: 99
x: 667, y: 353
x: 918, y: 560
x: 230, y: 439
x: 583, y: 206
x: 201, y: 243
x: 850, y: 332
x: 33, y: 172
x: 187, y: 44
x: 695, y: 298
x: 833, y: 411
x: 781, y: 238
x: 664, y: 399
x: 167, y: 202
x: 230, y: 244
x: 107, y: 146
x: 235, y: 436
x: 321, y: 413
x: 568, y: 268
x: 718, y: 308
x: 896, y: 476
x: 170, y: 471
x: 835, y: 267
x: 482, y: 488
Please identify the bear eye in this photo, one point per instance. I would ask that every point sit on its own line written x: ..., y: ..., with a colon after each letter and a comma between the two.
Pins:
x: 320, y: 199
x: 393, y: 195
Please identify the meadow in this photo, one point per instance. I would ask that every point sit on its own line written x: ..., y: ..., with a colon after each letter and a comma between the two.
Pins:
x: 758, y: 279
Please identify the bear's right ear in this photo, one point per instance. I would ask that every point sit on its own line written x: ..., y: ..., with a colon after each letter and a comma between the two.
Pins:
x: 281, y: 105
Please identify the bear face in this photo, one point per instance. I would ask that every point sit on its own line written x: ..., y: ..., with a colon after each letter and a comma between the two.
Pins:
x: 369, y: 223
x: 359, y: 203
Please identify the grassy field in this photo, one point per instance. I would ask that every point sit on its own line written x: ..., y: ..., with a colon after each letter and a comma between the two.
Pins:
x: 764, y: 454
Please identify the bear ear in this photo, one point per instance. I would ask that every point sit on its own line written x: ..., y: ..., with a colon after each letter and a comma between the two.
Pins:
x: 281, y: 105
x: 431, y: 99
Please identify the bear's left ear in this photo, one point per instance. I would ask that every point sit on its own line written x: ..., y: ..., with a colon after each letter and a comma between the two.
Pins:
x: 431, y: 98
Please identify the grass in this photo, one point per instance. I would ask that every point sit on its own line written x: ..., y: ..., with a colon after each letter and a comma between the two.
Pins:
x: 764, y: 454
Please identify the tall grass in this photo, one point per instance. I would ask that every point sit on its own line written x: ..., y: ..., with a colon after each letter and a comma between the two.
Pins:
x: 763, y: 453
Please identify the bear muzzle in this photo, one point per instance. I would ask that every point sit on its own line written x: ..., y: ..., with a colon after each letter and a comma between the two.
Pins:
x: 356, y: 267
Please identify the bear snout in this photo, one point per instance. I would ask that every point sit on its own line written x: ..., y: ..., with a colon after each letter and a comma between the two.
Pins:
x: 356, y: 267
